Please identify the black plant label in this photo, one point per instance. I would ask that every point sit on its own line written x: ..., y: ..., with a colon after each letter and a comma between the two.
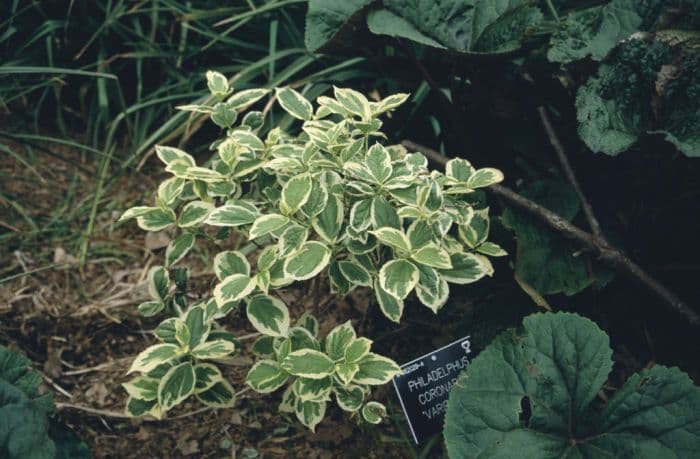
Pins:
x: 424, y: 386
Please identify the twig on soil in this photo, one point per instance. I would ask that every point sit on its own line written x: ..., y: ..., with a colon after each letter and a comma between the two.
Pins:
x: 569, y: 172
x: 55, y: 385
x: 606, y: 253
x: 117, y: 415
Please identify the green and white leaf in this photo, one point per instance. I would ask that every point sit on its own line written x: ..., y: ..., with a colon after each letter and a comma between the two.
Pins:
x: 142, y: 388
x: 231, y: 215
x: 220, y: 395
x: 158, y: 283
x: 230, y: 262
x: 308, y: 363
x: 310, y: 413
x: 194, y: 213
x: 432, y: 255
x: 308, y: 261
x: 294, y: 103
x: 216, y: 349
x: 266, y: 376
x: 466, y: 268
x: 398, y: 278
x: 295, y: 193
x: 177, y: 384
x: 338, y: 339
x: 376, y: 369
x: 233, y: 288
x: 268, y: 315
x: 373, y: 412
x: 206, y: 375
x: 178, y: 248
x: 391, y: 306
x: 266, y: 224
x: 349, y: 398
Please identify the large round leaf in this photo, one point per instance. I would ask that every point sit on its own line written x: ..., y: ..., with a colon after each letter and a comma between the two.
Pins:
x: 531, y: 394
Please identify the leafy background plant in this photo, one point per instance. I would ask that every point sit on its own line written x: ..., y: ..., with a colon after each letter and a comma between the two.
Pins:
x: 81, y: 151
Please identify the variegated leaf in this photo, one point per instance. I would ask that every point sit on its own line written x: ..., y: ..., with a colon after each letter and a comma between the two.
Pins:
x: 266, y: 224
x: 177, y: 384
x: 391, y: 306
x: 142, y: 387
x: 373, y: 412
x: 355, y: 273
x: 294, y: 103
x: 432, y: 255
x: 268, y: 315
x: 485, y: 177
x: 466, y: 268
x: 295, y: 193
x: 398, y: 278
x: 354, y: 102
x: 220, y: 395
x: 178, y: 248
x: 315, y: 390
x: 357, y: 349
x: 376, y: 369
x: 206, y: 375
x: 338, y: 340
x: 233, y: 288
x: 216, y: 349
x: 310, y: 413
x: 266, y: 376
x: 242, y: 99
x: 308, y: 363
x: 231, y: 215
x: 349, y: 398
x: 308, y: 261
x: 158, y: 283
x: 230, y: 262
x: 194, y: 213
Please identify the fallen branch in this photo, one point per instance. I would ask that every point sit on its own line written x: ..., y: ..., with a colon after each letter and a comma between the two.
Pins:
x: 569, y: 172
x: 605, y: 252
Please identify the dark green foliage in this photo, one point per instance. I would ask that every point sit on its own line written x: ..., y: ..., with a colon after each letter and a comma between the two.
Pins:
x: 462, y: 26
x: 26, y: 428
x: 643, y: 87
x: 533, y: 393
x: 546, y: 261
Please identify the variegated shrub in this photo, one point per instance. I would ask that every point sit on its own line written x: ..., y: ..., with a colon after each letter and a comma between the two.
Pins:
x: 330, y: 201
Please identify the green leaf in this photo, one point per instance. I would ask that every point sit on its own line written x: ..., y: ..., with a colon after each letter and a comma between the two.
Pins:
x: 170, y: 155
x: 263, y: 346
x: 169, y: 190
x: 378, y: 163
x: 373, y: 412
x: 315, y: 390
x: 206, y: 375
x: 295, y: 193
x: 294, y: 103
x: 485, y: 177
x: 310, y: 413
x: 230, y: 262
x: 151, y: 308
x: 158, y: 283
x: 355, y: 273
x: 329, y: 222
x: 177, y: 384
x: 268, y: 315
x: 346, y: 371
x: 223, y: 115
x: 308, y: 363
x: 266, y: 224
x: 533, y: 391
x: 349, y: 398
x: 338, y: 340
x: 394, y: 238
x: 360, y: 214
x: 357, y: 349
x: 247, y: 139
x: 432, y: 255
x: 464, y: 26
x: 459, y: 170
x: 383, y: 214
x: 354, y: 102
x: 593, y: 32
x: 216, y: 349
x: 233, y: 288
x: 376, y: 369
x: 326, y: 20
x: 291, y: 239
x: 398, y: 278
x: 547, y: 262
x: 142, y: 387
x: 182, y: 335
x: 308, y: 261
x: 391, y: 306
x: 194, y: 213
x: 156, y: 219
x: 432, y: 289
x: 266, y: 376
x: 242, y: 99
x: 178, y: 248
x: 220, y: 395
x: 309, y: 322
x: 231, y: 215
x: 217, y: 84
x: 466, y: 268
